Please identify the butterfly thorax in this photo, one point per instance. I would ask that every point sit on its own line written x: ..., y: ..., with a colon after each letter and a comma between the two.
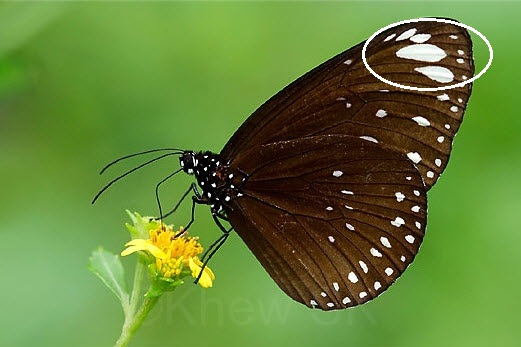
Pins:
x: 215, y: 178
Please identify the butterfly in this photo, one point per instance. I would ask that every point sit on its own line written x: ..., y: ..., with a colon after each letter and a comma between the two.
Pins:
x: 327, y: 181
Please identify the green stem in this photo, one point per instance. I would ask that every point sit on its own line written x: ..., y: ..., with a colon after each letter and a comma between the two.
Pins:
x: 134, y: 317
x: 139, y: 278
x: 130, y: 326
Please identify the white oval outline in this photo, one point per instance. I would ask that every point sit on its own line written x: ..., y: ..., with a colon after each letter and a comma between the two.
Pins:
x: 439, y: 20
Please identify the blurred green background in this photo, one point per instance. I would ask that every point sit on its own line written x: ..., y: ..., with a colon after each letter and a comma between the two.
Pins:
x: 84, y: 83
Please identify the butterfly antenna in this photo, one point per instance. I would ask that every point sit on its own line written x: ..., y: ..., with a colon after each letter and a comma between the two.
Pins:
x: 176, y: 150
x: 131, y: 171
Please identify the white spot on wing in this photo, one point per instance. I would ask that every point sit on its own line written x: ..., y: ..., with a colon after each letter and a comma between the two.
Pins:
x: 347, y: 192
x: 352, y: 277
x: 430, y: 174
x: 375, y: 253
x: 398, y: 222
x: 388, y: 271
x: 440, y: 139
x: 415, y: 208
x: 422, y: 52
x: 409, y: 238
x: 337, y: 173
x: 407, y: 34
x: 402, y: 258
x: 364, y: 267
x: 399, y: 196
x: 436, y: 73
x: 350, y: 227
x: 346, y: 300
x: 443, y: 97
x: 454, y: 108
x: 336, y: 286
x: 348, y: 62
x: 331, y: 239
x: 362, y: 295
x: 385, y: 242
x: 416, y: 192
x: 381, y: 113
x: 420, y: 38
x: 454, y: 37
x: 377, y: 285
x: 414, y: 156
x: 390, y: 37
x: 460, y: 60
x: 421, y: 121
x: 369, y: 138
x: 437, y: 162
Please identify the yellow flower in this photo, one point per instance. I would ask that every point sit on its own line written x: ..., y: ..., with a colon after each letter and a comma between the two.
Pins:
x: 174, y: 254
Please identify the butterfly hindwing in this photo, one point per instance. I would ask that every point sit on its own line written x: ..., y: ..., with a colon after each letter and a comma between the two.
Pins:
x: 333, y: 219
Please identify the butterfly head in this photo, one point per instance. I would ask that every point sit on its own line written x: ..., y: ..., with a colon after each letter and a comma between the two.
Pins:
x: 188, y: 162
x: 200, y: 164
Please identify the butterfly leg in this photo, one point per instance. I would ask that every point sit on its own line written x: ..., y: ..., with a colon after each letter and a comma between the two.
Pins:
x: 176, y: 206
x: 214, y: 247
x: 194, y: 202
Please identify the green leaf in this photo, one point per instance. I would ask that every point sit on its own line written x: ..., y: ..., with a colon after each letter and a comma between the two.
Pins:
x: 108, y: 268
x: 142, y: 225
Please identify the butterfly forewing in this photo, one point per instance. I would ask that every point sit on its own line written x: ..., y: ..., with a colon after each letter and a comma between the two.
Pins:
x: 333, y: 219
x: 342, y: 97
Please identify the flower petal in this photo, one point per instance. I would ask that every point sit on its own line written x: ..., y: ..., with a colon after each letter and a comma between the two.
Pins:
x: 206, y: 278
x: 143, y: 245
x: 136, y: 242
x: 130, y: 250
x: 155, y: 251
